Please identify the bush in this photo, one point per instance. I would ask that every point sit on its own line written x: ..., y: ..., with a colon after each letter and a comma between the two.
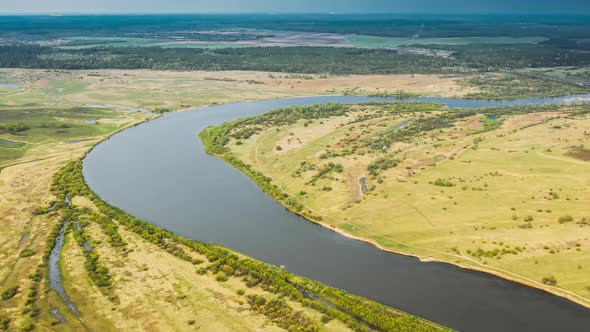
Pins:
x: 27, y: 326
x: 565, y: 219
x: 13, y: 128
x: 9, y: 293
x: 27, y: 253
x: 550, y: 281
x: 381, y: 164
x: 4, y: 322
x: 443, y: 183
x: 221, y: 277
x: 228, y: 270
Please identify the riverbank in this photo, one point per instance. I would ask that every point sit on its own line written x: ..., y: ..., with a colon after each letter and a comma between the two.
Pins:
x: 467, y: 264
x: 261, y: 147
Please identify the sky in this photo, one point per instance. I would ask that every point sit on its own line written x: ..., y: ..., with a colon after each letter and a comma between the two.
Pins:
x: 295, y: 6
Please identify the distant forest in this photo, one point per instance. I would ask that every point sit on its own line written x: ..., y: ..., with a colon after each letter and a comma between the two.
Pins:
x: 321, y: 60
x: 34, y: 42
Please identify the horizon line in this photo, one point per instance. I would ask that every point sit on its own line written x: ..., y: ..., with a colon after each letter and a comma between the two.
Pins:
x: 72, y: 13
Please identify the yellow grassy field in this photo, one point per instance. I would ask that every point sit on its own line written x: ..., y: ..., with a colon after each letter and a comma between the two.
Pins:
x: 175, y: 90
x: 507, y: 211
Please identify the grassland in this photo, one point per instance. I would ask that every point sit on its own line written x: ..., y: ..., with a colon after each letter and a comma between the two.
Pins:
x: 547, y: 82
x: 507, y: 194
x: 151, y: 290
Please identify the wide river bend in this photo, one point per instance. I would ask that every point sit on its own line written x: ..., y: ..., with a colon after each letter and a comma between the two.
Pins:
x: 159, y: 172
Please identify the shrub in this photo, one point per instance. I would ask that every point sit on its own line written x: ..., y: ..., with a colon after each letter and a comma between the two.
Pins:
x: 565, y: 219
x: 4, y: 322
x: 9, y: 293
x: 443, y: 183
x: 251, y: 281
x: 228, y: 270
x: 27, y: 326
x: 221, y: 277
x: 381, y: 164
x: 27, y: 253
x: 550, y: 281
x: 36, y: 276
x: 13, y: 128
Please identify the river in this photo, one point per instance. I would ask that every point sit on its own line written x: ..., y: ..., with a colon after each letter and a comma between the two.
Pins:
x: 158, y: 171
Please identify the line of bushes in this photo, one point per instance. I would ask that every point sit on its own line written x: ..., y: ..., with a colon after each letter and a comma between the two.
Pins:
x: 98, y: 273
x: 109, y: 228
x: 69, y: 181
x: 282, y: 314
x: 215, y: 139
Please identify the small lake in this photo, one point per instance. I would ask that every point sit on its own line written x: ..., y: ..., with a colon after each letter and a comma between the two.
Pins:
x: 11, y: 144
x: 9, y: 86
x: 159, y: 171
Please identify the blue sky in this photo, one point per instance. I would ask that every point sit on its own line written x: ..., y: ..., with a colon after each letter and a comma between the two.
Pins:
x: 323, y: 6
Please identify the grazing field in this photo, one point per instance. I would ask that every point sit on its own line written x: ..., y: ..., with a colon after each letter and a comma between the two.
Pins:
x: 505, y: 191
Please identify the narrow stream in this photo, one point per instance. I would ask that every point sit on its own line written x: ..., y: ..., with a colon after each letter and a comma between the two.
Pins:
x: 85, y: 244
x: 55, y: 277
x: 55, y: 280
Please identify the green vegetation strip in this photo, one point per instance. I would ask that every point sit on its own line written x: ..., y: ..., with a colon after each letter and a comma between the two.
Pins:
x: 357, y: 313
